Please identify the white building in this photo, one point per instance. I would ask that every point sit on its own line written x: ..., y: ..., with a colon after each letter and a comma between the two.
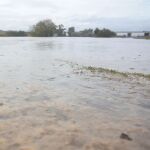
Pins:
x: 133, y: 34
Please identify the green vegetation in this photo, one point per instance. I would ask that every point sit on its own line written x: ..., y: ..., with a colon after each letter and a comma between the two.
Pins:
x: 110, y: 71
x: 90, y: 33
x: 104, y: 33
x: 107, y: 71
x: 43, y: 28
x: 83, y: 33
x: 104, y: 70
x: 61, y: 30
x: 87, y: 33
x: 13, y: 33
x: 16, y: 33
x: 147, y: 38
x: 2, y: 33
x: 47, y: 28
x: 142, y: 75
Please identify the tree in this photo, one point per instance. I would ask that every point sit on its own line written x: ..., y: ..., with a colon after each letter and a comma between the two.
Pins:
x: 104, y: 33
x: 44, y: 28
x: 96, y: 32
x: 61, y: 30
x: 71, y: 31
x: 86, y: 33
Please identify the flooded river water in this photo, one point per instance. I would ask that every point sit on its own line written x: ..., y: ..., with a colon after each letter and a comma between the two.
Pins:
x: 48, y: 102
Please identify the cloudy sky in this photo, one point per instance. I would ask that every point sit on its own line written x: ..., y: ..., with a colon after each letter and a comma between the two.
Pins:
x: 121, y: 15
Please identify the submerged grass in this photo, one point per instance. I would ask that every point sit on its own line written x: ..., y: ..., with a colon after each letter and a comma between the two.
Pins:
x: 107, y: 71
x: 114, y: 72
x: 102, y: 70
x: 142, y: 75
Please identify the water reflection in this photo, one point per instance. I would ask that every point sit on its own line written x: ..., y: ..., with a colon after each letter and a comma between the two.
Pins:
x: 45, y: 46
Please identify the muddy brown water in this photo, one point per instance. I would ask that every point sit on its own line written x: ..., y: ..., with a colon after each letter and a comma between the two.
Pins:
x: 46, y: 103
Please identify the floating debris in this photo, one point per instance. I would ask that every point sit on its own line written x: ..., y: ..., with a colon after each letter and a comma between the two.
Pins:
x: 125, y: 137
x: 1, y: 104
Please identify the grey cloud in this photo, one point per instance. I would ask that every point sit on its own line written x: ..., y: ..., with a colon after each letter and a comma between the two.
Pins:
x: 115, y: 14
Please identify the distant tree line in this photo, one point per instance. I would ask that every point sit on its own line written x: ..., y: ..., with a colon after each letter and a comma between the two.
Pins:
x: 83, y: 33
x: 47, y: 28
x: 104, y: 33
x: 13, y: 33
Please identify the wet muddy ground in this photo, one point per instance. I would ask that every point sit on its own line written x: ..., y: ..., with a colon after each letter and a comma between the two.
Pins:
x: 46, y: 103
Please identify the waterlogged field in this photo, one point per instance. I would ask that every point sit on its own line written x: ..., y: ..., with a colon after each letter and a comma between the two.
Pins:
x: 61, y: 94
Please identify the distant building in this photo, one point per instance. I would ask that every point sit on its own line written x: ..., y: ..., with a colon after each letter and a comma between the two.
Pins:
x: 122, y: 34
x: 133, y: 34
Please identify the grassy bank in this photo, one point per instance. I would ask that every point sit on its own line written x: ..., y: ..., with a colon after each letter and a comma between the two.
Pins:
x: 114, y: 72
x: 105, y: 70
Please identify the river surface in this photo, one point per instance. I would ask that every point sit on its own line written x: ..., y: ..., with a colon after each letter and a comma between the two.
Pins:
x: 132, y: 55
x: 48, y: 102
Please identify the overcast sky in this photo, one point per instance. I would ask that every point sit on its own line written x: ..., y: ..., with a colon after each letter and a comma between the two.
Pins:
x: 118, y: 15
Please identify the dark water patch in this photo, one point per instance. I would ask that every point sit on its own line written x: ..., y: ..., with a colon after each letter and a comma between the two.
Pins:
x: 1, y: 104
x: 14, y: 146
x: 57, y: 113
x: 145, y: 105
x: 9, y: 99
x: 5, y: 117
x: 132, y: 68
x: 51, y: 79
x: 105, y: 106
x: 86, y: 86
x: 37, y: 98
